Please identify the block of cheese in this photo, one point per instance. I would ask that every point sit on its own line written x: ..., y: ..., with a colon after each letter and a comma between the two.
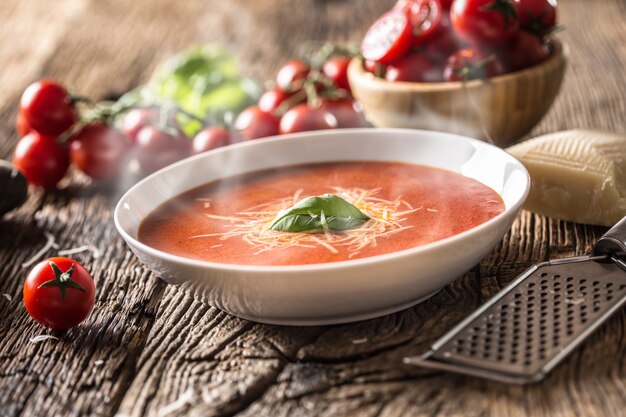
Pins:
x: 577, y: 175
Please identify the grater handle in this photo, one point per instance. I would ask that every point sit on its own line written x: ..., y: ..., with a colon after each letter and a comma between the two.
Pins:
x: 613, y: 242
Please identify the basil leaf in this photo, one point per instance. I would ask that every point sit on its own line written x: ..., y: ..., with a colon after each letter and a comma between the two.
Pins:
x: 306, y: 215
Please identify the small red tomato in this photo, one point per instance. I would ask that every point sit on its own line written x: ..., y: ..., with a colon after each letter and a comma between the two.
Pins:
x: 443, y: 43
x: 156, y: 149
x: 484, y: 21
x: 47, y: 108
x: 388, y: 39
x: 137, y: 119
x: 42, y: 159
x: 59, y: 293
x: 525, y: 50
x: 209, y: 139
x: 413, y: 68
x: 536, y: 16
x: 254, y: 123
x: 424, y: 17
x: 21, y: 125
x: 472, y: 63
x: 272, y: 99
x: 346, y: 111
x: 336, y: 68
x: 303, y: 118
x: 100, y: 151
x: 290, y: 76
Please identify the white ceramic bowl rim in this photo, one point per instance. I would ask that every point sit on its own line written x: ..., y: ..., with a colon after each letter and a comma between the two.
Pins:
x: 321, y: 266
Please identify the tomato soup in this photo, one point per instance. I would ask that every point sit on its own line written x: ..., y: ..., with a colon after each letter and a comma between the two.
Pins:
x: 228, y: 220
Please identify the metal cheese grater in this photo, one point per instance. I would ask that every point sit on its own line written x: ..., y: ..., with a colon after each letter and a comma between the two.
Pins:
x: 524, y: 331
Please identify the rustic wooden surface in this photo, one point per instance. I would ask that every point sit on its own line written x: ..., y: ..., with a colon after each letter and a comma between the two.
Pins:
x: 153, y: 349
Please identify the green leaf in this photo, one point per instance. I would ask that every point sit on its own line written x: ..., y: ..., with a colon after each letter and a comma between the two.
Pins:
x: 314, y: 213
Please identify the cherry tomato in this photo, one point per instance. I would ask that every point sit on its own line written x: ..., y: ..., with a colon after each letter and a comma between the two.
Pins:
x: 59, y: 293
x: 100, y: 151
x: 424, y: 17
x: 290, y: 76
x: 21, y: 125
x: 388, y: 39
x: 346, y: 111
x: 413, y: 68
x: 484, y: 21
x: 443, y: 43
x: 42, y: 159
x: 303, y: 118
x: 471, y: 63
x: 210, y: 138
x: 137, y: 119
x: 157, y: 149
x: 254, y: 123
x: 525, y: 50
x: 536, y: 16
x: 336, y: 68
x: 47, y: 108
x: 272, y: 99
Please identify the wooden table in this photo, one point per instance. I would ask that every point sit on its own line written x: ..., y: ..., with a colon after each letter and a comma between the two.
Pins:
x: 147, y: 345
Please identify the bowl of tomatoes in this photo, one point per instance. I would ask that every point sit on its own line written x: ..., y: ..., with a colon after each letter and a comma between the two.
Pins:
x: 490, y: 69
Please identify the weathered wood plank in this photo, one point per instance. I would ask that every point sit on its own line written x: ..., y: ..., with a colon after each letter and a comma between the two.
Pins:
x: 159, y: 343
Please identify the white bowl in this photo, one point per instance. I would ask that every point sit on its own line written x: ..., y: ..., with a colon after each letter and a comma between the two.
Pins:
x: 340, y: 291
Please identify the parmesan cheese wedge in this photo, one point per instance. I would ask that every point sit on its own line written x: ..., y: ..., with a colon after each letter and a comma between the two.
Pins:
x: 576, y: 175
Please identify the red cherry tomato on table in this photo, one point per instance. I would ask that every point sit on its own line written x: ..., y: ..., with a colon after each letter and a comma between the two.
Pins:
x: 388, y: 39
x: 484, y: 21
x: 156, y: 149
x: 47, y: 108
x: 100, y: 151
x: 413, y: 68
x: 472, y: 63
x: 424, y: 17
x: 272, y: 99
x: 303, y: 118
x: 59, y: 293
x: 336, y: 68
x: 536, y: 16
x: 21, y: 125
x: 346, y: 111
x: 42, y: 159
x: 137, y: 119
x: 254, y: 123
x: 209, y: 139
x: 525, y: 50
x: 290, y: 76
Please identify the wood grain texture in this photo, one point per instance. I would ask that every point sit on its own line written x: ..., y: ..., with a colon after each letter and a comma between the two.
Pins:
x: 159, y: 344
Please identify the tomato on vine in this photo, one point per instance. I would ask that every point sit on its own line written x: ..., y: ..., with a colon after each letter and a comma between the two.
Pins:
x: 210, y: 138
x: 336, y: 68
x: 47, y: 108
x: 59, y: 293
x: 254, y: 123
x: 100, y: 151
x: 42, y: 159
x: 303, y: 117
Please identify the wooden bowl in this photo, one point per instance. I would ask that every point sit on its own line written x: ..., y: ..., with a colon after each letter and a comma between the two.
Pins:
x: 500, y: 110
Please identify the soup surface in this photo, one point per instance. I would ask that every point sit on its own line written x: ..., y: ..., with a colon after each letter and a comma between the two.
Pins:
x: 409, y: 205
